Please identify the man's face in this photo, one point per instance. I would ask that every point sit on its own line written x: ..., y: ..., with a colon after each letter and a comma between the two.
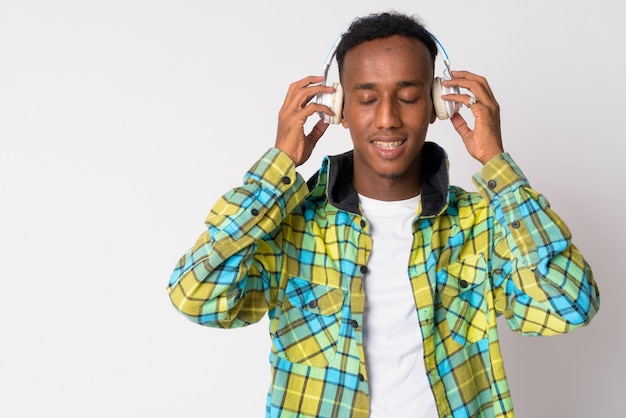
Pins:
x: 388, y: 107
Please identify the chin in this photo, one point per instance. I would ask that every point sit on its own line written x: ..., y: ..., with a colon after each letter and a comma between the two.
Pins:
x: 390, y: 176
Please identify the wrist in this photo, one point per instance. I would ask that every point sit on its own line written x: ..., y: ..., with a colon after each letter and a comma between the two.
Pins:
x: 484, y: 160
x: 288, y: 152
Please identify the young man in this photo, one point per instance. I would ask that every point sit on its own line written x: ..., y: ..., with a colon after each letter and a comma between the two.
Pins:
x: 381, y: 281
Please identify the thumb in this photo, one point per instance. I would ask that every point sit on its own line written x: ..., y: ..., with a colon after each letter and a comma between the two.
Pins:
x: 460, y: 125
x: 317, y: 131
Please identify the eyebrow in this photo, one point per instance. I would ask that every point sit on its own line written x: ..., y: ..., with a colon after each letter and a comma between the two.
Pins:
x: 372, y: 86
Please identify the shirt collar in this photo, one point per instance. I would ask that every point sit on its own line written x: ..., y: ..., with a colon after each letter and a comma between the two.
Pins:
x: 334, y: 181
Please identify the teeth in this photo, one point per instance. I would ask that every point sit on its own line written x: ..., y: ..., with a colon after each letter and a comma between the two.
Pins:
x: 387, y: 145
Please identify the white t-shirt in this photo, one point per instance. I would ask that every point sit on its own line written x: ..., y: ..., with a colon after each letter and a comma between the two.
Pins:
x: 392, y: 337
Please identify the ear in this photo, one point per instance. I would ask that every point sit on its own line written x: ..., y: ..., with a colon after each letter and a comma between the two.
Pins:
x: 433, y: 116
x: 343, y: 121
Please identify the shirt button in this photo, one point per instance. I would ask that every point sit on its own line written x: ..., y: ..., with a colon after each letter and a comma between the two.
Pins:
x: 286, y: 180
x: 354, y: 324
x: 463, y: 283
x: 361, y: 377
x: 313, y: 304
x: 515, y: 224
x: 254, y: 211
x: 363, y: 223
x: 491, y: 184
x: 363, y: 269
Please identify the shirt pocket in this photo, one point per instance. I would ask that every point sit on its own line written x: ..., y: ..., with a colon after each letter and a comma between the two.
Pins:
x: 461, y: 288
x: 308, y: 327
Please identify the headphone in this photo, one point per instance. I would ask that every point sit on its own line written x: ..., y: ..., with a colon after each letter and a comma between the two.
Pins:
x: 443, y: 108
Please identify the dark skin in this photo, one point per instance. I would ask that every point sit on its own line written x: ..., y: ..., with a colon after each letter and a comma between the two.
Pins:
x: 387, y: 109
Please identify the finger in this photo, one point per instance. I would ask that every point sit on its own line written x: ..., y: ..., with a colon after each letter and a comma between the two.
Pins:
x: 466, y: 100
x: 305, y: 107
x: 306, y: 81
x: 305, y: 95
x: 476, y: 89
x: 460, y: 125
x: 314, y: 107
x: 295, y: 88
x: 317, y: 131
x: 307, y: 100
x: 472, y: 82
x: 312, y: 96
x: 471, y: 101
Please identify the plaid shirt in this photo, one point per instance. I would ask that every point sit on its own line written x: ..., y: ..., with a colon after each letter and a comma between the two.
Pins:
x: 299, y: 253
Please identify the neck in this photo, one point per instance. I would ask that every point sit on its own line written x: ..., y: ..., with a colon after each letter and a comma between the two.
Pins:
x: 387, y: 188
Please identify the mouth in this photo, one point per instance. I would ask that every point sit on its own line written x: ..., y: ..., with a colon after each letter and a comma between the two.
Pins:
x: 388, y: 145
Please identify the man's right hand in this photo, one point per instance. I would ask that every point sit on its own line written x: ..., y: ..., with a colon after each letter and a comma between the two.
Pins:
x: 298, y: 106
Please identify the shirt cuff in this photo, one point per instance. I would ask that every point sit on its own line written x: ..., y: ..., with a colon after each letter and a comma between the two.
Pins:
x: 276, y: 173
x: 500, y: 175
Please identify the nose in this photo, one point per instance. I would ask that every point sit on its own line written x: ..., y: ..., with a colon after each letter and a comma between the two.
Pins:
x: 387, y: 114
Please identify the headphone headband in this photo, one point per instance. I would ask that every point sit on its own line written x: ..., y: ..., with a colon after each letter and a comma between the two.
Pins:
x: 333, y: 52
x: 443, y: 109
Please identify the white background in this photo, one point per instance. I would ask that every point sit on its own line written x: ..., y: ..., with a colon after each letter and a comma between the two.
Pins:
x: 121, y: 122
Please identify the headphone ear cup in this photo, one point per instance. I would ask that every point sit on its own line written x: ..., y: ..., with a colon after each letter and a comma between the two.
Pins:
x: 438, y: 103
x: 444, y: 109
x: 335, y: 102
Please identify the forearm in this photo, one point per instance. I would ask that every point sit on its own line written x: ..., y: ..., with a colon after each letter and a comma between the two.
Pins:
x: 548, y: 287
x: 221, y: 281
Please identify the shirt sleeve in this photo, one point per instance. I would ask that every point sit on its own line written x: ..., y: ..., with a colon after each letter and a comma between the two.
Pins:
x: 541, y: 281
x: 224, y: 279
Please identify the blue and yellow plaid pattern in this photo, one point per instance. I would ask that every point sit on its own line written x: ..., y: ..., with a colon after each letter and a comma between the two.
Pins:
x: 299, y: 253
